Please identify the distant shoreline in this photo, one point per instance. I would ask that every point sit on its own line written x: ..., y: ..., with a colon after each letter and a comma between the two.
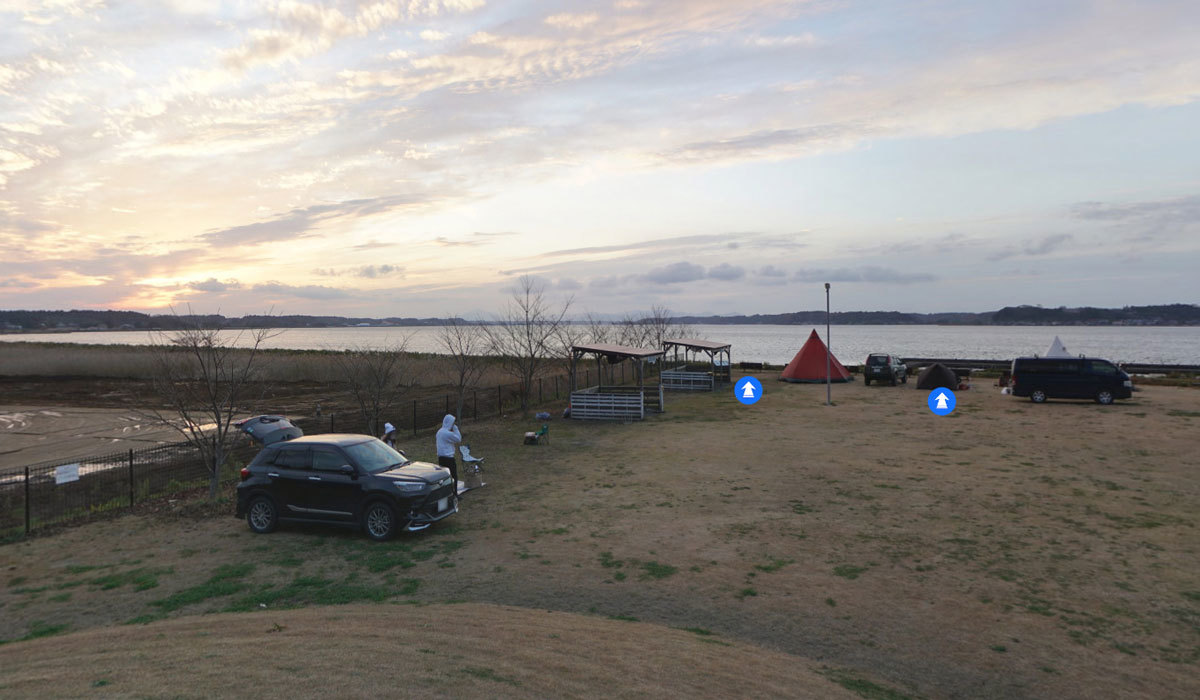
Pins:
x: 1182, y: 315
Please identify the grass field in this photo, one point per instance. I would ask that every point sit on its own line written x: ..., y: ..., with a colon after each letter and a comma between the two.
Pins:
x: 789, y: 549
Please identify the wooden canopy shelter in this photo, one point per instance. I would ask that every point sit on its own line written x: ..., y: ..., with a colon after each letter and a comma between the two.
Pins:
x: 615, y: 402
x: 692, y: 373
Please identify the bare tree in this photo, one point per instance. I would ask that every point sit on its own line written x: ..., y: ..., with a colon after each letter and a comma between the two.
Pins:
x: 202, y: 376
x: 651, y: 330
x: 465, y: 344
x: 524, y: 335
x: 377, y: 379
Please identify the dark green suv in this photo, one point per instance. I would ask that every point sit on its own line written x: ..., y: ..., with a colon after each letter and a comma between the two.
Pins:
x: 884, y: 368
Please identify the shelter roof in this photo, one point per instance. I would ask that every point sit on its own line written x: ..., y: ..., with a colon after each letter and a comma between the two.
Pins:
x: 617, y: 351
x: 697, y: 343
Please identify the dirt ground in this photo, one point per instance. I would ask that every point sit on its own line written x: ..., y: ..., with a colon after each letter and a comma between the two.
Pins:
x: 1007, y: 550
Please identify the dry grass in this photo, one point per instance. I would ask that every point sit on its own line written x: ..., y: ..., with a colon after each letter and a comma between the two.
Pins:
x: 1010, y: 550
x: 20, y: 359
x: 459, y: 651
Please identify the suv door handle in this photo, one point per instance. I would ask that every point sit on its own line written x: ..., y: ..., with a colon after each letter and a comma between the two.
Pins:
x: 314, y: 478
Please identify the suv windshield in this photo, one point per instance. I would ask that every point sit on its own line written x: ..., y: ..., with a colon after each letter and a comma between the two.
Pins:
x: 373, y: 456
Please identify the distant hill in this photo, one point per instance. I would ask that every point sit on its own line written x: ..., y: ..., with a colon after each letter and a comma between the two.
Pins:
x: 1159, y: 315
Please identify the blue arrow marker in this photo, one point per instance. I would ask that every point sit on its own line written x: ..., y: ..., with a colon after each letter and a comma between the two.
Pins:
x: 748, y: 390
x: 942, y: 401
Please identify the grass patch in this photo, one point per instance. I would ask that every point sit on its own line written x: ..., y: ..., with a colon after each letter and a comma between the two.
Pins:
x: 696, y: 630
x: 746, y: 593
x: 773, y: 565
x: 607, y: 561
x: 37, y: 630
x: 864, y: 688
x: 224, y: 581
x: 624, y: 618
x: 799, y: 508
x: 654, y: 570
x: 315, y: 590
x: 488, y: 674
x: 848, y: 571
x: 141, y: 579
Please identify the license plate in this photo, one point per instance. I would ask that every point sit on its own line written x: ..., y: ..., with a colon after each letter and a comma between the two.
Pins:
x: 443, y: 504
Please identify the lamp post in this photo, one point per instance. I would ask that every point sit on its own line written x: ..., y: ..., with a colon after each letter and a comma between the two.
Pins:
x: 828, y: 378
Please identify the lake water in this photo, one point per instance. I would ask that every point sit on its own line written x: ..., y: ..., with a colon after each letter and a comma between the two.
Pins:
x: 778, y: 344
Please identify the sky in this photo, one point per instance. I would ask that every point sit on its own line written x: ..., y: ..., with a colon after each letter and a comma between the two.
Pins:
x: 416, y: 158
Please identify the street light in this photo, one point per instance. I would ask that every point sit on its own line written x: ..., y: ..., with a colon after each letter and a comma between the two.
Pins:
x: 828, y: 379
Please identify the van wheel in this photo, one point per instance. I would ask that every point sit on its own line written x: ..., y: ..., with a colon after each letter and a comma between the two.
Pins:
x: 1037, y: 396
x: 866, y: 381
x: 1104, y: 397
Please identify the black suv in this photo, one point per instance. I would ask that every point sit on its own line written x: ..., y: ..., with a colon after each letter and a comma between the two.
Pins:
x: 881, y: 367
x: 353, y: 480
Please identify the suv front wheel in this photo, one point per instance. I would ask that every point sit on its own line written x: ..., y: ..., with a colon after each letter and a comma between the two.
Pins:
x: 379, y: 521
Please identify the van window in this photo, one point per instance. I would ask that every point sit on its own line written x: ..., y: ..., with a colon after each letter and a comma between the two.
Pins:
x: 1050, y: 367
x: 1101, y: 367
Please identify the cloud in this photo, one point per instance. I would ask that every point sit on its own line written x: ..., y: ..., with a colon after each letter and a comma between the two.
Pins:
x: 16, y: 284
x: 375, y: 271
x: 674, y: 273
x: 213, y: 285
x: 299, y: 223
x: 310, y: 291
x: 653, y: 244
x: 1146, y: 221
x: 1034, y: 248
x: 869, y: 274
x: 770, y: 271
x: 726, y: 272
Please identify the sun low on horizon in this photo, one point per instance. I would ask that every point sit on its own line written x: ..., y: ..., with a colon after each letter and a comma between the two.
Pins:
x: 416, y: 158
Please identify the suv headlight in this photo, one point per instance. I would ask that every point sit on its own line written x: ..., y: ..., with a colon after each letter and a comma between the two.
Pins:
x: 409, y: 486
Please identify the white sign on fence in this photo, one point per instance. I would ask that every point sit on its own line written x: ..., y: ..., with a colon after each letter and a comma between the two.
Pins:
x: 66, y: 473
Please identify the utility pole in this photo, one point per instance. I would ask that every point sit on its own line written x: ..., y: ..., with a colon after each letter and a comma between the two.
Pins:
x: 828, y: 376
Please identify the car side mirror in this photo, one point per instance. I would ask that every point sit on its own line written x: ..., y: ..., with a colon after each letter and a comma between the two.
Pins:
x: 347, y: 470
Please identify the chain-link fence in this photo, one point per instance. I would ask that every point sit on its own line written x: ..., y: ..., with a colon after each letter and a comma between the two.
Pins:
x: 61, y: 491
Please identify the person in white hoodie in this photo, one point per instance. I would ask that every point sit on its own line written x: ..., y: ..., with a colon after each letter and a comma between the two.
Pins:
x: 447, y: 438
x: 389, y: 434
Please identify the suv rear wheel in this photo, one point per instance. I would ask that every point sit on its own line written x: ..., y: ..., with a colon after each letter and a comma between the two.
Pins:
x: 262, y: 516
x: 379, y: 521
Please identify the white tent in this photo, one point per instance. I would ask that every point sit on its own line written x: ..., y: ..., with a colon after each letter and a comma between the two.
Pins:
x: 1057, y: 349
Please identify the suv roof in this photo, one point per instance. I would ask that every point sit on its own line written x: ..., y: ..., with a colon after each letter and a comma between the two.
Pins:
x: 339, y: 439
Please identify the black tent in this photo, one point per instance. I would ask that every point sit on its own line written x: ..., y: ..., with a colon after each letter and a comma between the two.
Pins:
x: 937, y: 375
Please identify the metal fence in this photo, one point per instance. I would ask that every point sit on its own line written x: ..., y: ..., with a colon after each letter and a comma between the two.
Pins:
x: 65, y: 490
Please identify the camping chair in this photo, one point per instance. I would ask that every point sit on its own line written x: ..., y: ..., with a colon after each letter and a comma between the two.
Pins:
x: 539, y: 437
x: 472, y: 469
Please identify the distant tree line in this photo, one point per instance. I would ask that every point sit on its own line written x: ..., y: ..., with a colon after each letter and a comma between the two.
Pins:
x: 1156, y: 315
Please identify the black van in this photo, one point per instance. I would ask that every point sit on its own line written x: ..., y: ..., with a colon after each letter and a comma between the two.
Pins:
x: 1042, y: 378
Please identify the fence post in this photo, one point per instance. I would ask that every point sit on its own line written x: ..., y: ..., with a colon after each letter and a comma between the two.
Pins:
x: 448, y: 404
x: 475, y: 398
x: 556, y: 387
x: 622, y: 372
x: 499, y: 399
x: 540, y: 399
x: 131, y: 478
x: 331, y: 423
x: 26, y: 500
x: 414, y: 417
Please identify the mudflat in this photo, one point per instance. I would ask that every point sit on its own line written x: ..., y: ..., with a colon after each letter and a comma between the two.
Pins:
x: 1006, y: 550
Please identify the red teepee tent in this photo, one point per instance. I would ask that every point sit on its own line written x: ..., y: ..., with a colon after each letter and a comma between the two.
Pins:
x: 809, y: 364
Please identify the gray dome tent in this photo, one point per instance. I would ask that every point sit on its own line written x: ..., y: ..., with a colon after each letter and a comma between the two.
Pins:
x: 937, y: 375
